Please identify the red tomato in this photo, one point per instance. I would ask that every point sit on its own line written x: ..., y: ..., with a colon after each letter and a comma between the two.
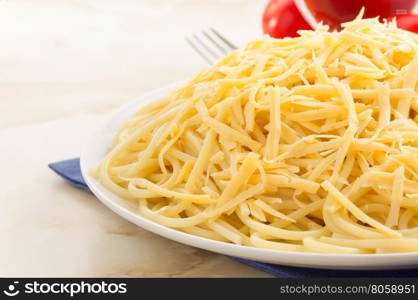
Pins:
x: 283, y: 19
x: 335, y: 12
x: 408, y: 22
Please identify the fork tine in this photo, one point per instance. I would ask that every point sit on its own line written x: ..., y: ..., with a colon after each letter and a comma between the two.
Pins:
x: 206, y: 47
x: 210, y: 45
x: 195, y: 48
x: 231, y: 45
x: 210, y: 38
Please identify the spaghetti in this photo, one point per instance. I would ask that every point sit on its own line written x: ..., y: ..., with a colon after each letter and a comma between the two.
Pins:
x: 298, y: 144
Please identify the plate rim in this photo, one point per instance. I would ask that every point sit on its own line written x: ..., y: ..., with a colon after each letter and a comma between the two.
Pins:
x: 297, y: 259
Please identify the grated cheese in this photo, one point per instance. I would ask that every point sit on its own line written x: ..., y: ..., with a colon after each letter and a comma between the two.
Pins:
x: 298, y: 144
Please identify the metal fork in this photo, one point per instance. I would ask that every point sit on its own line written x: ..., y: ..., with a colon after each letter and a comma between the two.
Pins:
x: 210, y: 45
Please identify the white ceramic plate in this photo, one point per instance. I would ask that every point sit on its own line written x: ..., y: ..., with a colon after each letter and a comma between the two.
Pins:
x: 97, y: 148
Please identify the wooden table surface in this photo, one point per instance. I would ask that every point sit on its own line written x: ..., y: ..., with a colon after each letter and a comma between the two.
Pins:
x: 64, y: 65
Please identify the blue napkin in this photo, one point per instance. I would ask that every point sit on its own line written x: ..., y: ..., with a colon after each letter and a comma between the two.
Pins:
x: 70, y: 171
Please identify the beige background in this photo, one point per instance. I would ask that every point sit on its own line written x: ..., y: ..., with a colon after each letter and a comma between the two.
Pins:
x: 63, y: 66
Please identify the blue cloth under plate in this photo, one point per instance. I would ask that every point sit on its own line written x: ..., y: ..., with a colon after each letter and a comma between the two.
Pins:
x: 70, y: 171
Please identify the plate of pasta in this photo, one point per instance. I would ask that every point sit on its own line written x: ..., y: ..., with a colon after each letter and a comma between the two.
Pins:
x: 297, y: 151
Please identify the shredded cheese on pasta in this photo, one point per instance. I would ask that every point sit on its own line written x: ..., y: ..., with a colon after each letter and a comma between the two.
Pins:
x: 305, y: 144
